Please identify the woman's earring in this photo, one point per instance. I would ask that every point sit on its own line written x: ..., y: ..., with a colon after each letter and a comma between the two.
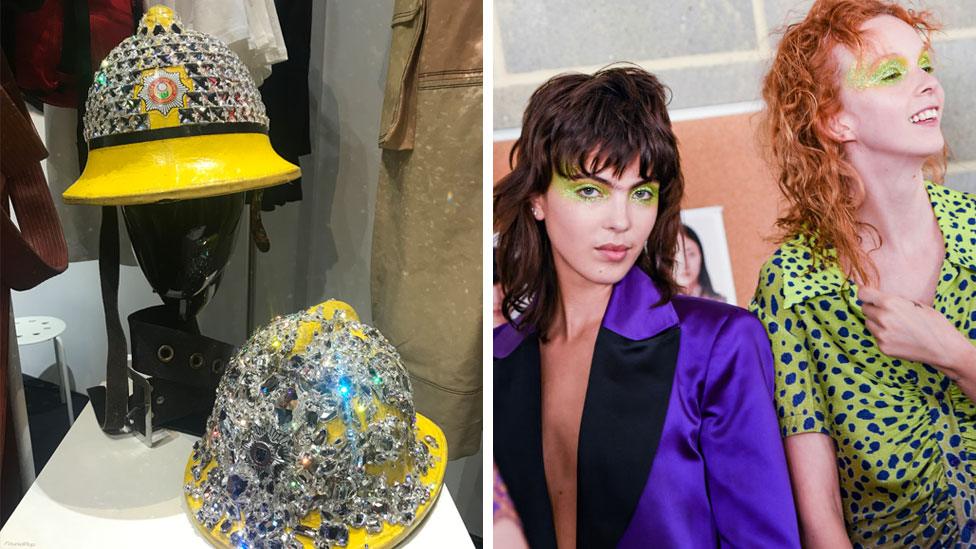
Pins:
x: 535, y: 212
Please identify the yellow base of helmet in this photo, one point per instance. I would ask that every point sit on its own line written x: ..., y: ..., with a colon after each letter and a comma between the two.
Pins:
x: 391, y: 534
x: 179, y: 169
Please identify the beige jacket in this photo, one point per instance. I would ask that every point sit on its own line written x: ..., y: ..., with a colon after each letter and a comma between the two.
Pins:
x: 426, y: 258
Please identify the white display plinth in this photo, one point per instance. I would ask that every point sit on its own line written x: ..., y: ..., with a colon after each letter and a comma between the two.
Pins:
x: 104, y: 492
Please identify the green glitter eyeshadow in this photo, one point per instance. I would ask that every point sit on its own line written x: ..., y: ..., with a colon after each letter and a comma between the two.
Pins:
x: 925, y: 61
x: 587, y: 190
x: 888, y: 73
x: 646, y: 194
x: 575, y: 188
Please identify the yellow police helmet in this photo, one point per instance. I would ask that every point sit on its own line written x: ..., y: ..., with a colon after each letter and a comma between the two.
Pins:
x: 174, y: 114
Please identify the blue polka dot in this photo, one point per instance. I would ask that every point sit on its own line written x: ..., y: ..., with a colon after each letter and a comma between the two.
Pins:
x: 865, y: 414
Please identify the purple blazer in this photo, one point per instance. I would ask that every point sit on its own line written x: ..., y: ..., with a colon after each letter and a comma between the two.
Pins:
x: 679, y: 444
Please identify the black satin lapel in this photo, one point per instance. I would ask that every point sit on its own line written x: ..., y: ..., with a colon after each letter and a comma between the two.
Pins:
x: 518, y: 440
x: 623, y: 416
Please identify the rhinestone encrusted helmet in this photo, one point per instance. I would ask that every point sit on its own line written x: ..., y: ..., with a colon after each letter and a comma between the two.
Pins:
x: 314, y: 441
x: 168, y: 82
x: 167, y: 62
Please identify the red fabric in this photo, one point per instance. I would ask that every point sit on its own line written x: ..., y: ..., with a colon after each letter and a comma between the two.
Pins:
x: 112, y: 21
x: 38, y: 53
x: 45, y: 65
x: 30, y: 253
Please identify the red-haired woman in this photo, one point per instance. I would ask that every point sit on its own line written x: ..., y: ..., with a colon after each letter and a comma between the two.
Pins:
x: 625, y: 415
x: 869, y: 302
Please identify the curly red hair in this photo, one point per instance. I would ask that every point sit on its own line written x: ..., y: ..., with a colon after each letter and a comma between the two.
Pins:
x: 801, y: 92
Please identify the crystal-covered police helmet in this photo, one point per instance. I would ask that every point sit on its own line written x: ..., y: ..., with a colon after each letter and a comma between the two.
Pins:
x: 314, y: 441
x: 174, y: 114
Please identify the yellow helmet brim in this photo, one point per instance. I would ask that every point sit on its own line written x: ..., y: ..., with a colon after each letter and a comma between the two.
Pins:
x: 391, y: 534
x: 179, y: 169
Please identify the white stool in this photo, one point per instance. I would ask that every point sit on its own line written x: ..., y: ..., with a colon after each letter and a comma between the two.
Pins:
x: 38, y: 329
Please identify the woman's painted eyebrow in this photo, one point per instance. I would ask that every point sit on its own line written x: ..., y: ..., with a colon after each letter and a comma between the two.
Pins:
x: 597, y: 178
x: 882, y: 57
x: 877, y: 61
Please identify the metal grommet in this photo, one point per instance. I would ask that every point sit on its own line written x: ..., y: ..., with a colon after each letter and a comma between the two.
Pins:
x: 160, y: 400
x: 165, y: 353
x: 196, y: 361
x: 217, y: 367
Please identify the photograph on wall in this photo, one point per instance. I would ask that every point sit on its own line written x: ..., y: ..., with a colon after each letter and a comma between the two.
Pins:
x: 702, y: 264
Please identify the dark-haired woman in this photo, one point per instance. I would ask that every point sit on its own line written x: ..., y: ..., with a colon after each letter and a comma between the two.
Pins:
x: 690, y: 271
x: 625, y: 415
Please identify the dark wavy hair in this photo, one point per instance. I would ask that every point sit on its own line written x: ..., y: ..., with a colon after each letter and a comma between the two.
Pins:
x: 704, y: 280
x: 583, y: 124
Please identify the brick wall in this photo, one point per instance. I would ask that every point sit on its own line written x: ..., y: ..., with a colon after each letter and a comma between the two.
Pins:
x: 711, y: 53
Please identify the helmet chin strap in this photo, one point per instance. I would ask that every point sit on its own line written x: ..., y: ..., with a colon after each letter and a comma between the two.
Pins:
x: 111, y: 402
x: 175, y: 370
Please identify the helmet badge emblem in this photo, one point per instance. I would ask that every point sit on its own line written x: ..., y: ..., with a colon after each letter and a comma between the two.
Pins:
x: 162, y: 91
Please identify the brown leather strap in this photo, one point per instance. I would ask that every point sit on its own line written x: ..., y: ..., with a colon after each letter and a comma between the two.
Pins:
x: 258, y: 234
x: 36, y: 250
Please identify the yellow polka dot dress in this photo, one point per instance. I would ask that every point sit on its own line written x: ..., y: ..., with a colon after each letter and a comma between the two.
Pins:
x: 904, y: 432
